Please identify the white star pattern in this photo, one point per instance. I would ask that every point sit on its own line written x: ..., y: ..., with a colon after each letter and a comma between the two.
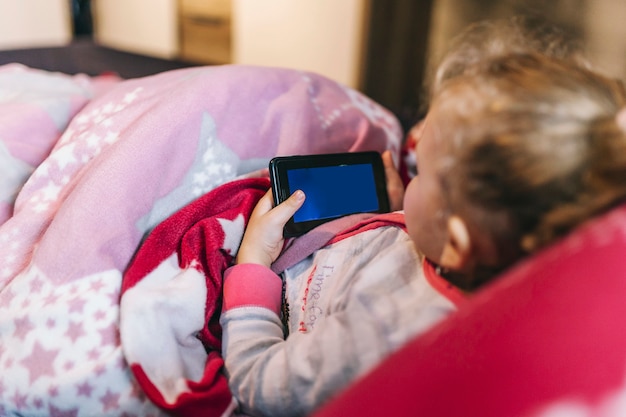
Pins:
x: 213, y: 165
x: 216, y: 165
x: 86, y: 137
x: 132, y: 96
x: 51, y: 191
x: 71, y: 336
x: 326, y: 120
x: 233, y: 232
x: 64, y: 155
x: 378, y: 116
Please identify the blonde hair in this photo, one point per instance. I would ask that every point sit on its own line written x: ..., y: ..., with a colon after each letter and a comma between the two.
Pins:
x: 532, y: 148
x: 491, y: 38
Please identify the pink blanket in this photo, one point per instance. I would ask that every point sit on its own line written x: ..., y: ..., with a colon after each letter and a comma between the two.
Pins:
x: 95, y: 165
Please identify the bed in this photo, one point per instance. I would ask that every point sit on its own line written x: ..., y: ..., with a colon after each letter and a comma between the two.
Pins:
x: 108, y: 185
x: 91, y: 167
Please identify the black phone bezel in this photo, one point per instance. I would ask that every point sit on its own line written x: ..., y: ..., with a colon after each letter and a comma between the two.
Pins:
x: 280, y: 165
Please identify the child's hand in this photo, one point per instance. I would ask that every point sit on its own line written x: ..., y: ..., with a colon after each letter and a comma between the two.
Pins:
x: 395, y: 187
x: 263, y: 239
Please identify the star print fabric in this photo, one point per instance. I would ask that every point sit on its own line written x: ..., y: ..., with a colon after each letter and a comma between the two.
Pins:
x: 177, y: 278
x: 94, y: 166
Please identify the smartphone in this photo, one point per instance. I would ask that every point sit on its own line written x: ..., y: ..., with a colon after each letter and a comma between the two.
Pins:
x: 335, y: 185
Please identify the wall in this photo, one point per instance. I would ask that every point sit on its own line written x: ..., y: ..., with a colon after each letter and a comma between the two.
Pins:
x: 325, y: 36
x: 147, y: 27
x: 596, y: 23
x: 606, y: 35
x: 34, y: 23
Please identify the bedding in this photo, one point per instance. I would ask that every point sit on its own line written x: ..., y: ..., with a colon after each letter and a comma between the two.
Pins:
x: 89, y: 166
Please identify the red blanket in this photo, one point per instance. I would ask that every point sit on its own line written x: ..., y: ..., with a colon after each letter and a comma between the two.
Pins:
x: 202, y: 239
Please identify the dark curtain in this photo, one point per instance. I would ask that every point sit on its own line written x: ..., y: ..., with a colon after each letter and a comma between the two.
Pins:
x: 395, y: 62
x: 81, y: 14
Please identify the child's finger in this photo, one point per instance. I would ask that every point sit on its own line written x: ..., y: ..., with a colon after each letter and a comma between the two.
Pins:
x: 395, y: 187
x: 285, y: 210
x: 388, y: 162
x: 262, y: 240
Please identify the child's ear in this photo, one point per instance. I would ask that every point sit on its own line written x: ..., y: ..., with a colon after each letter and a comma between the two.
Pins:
x: 457, y: 251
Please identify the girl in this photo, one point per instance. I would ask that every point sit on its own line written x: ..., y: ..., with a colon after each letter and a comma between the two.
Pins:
x: 516, y: 150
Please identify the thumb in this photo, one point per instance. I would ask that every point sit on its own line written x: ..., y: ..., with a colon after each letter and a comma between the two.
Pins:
x: 263, y: 238
x: 282, y: 212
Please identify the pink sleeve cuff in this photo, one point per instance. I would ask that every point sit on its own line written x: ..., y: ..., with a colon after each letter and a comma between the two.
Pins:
x: 252, y: 285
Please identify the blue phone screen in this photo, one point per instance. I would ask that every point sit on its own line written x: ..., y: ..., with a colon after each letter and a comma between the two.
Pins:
x: 334, y: 191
